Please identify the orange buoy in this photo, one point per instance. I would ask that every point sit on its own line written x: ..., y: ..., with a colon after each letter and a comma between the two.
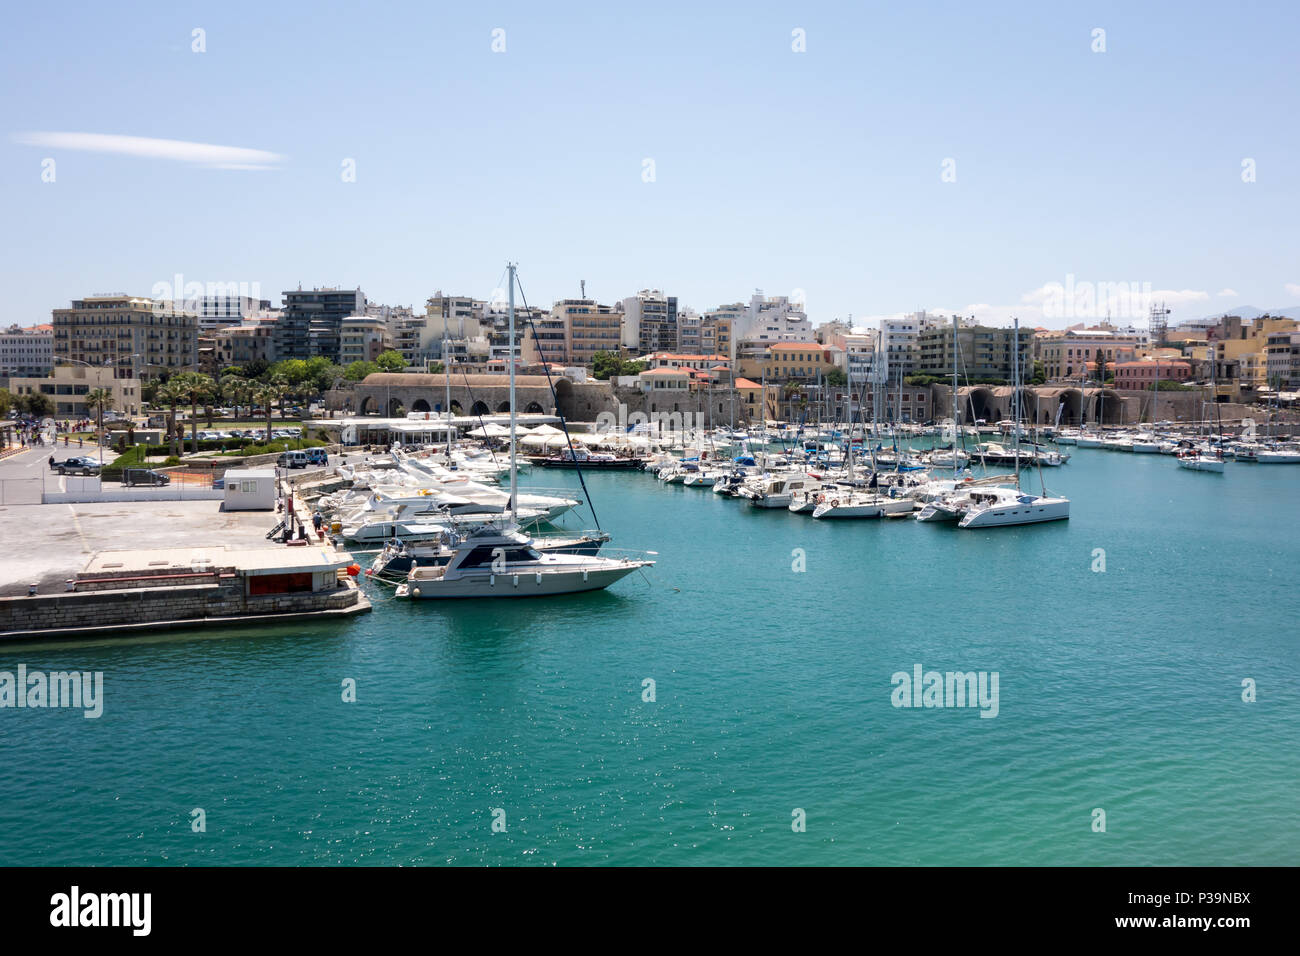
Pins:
x: 354, y: 570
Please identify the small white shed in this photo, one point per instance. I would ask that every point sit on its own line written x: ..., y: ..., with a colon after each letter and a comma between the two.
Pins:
x: 250, y: 489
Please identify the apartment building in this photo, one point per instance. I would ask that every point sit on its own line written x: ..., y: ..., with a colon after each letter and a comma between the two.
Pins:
x: 766, y: 321
x: 803, y: 362
x: 362, y: 338
x: 312, y: 319
x: 590, y: 327
x: 649, y: 322
x: 138, y: 336
x: 26, y: 352
x: 981, y: 352
x: 240, y: 345
x: 216, y: 311
x: 1283, y: 359
x: 1067, y: 355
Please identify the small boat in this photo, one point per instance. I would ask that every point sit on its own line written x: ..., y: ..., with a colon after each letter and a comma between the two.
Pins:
x: 1201, y: 461
x: 597, y: 461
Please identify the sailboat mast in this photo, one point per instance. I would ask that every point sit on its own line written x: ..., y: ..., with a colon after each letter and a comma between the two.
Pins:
x: 955, y: 424
x: 446, y: 377
x: 514, y: 510
x: 1015, y: 392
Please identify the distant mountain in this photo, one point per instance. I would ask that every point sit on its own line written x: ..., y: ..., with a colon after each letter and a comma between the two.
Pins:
x: 1249, y: 312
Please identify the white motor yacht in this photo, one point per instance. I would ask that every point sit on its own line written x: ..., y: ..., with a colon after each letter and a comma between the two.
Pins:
x: 492, y: 562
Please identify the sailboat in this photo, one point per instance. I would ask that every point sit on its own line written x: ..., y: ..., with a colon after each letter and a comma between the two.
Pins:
x: 502, y: 562
x: 1002, y: 506
x: 1200, y: 459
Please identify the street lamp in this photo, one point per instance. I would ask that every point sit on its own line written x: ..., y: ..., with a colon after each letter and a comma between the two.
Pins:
x: 99, y: 436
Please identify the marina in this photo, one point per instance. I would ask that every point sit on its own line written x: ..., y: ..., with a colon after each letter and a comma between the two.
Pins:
x: 544, y: 699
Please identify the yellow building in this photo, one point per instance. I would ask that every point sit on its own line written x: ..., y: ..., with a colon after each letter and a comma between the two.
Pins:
x: 69, y: 385
x: 792, y: 362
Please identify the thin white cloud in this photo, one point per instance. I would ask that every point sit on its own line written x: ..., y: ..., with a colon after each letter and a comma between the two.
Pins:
x: 1293, y: 289
x: 1231, y: 293
x: 204, y: 154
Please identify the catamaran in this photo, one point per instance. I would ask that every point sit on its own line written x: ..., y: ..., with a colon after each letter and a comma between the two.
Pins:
x: 999, y: 507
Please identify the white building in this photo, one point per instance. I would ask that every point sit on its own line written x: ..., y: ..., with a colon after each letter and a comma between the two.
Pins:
x: 216, y: 311
x: 767, y: 321
x: 26, y: 352
x: 649, y: 322
x: 898, y: 340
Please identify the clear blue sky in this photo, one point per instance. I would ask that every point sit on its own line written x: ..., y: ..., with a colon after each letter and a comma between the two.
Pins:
x: 777, y: 170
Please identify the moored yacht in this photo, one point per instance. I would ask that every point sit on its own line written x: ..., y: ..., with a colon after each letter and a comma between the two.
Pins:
x: 491, y: 562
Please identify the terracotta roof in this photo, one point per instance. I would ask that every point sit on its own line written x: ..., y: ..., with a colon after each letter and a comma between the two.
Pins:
x: 746, y: 383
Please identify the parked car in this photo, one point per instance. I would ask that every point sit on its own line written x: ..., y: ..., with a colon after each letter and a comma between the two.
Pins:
x: 318, y: 456
x: 292, y: 459
x: 77, y: 466
x: 144, y: 476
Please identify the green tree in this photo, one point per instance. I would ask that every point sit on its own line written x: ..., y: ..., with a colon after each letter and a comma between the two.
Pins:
x: 322, y: 374
x: 267, y: 395
x: 836, y: 376
x: 196, y: 387
x: 6, y: 402
x: 292, y: 372
x: 391, y: 361
x: 1040, y: 374
x: 1101, y: 366
x: 359, y: 370
x: 256, y: 369
x: 606, y: 365
x: 37, y: 404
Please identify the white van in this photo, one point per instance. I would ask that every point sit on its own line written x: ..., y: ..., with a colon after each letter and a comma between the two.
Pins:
x: 292, y: 459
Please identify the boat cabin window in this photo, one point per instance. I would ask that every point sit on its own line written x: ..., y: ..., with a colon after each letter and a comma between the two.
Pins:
x: 483, y: 555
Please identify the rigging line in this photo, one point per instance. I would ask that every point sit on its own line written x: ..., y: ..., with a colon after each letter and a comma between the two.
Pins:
x: 546, y: 367
x: 473, y: 402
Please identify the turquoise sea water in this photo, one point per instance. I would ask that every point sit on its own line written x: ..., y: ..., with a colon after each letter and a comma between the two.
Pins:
x: 1118, y: 690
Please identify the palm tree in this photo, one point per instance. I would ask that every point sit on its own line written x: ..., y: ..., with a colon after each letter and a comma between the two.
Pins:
x: 238, y: 389
x: 285, y: 387
x: 266, y: 396
x: 195, y: 386
x: 169, y: 395
x: 97, y: 400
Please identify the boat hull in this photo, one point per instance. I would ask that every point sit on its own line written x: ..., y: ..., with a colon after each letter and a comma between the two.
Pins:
x: 1008, y: 514
x: 522, y: 585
